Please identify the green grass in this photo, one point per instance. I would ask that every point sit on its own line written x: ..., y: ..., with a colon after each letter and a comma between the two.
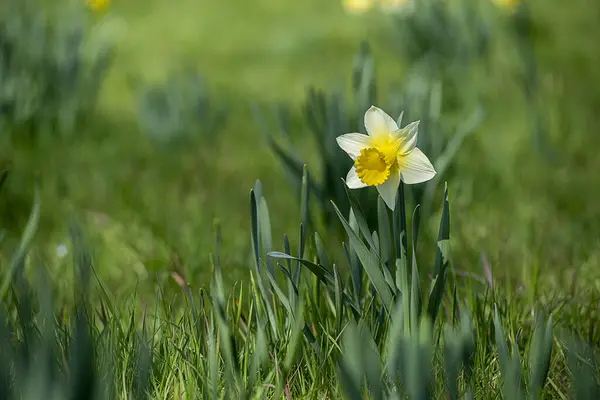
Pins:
x: 149, y: 211
x: 308, y: 333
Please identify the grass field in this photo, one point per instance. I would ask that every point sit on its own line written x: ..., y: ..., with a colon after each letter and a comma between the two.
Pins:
x: 147, y: 209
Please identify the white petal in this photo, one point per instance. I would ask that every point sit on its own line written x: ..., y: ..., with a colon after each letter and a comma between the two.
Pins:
x: 388, y: 189
x: 416, y: 167
x: 378, y: 122
x: 353, y: 181
x: 408, y: 137
x: 353, y: 143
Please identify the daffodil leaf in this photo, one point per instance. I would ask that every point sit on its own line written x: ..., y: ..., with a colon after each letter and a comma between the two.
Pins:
x: 339, y: 309
x: 282, y: 297
x: 318, y: 270
x: 18, y: 258
x: 360, y: 219
x: 540, y: 354
x: 304, y: 199
x: 395, y: 367
x: 265, y: 232
x: 370, y: 262
x: 385, y: 235
x: 355, y: 272
x: 442, y: 261
x: 293, y: 287
x: 3, y: 176
x: 322, y: 252
x: 256, y: 240
x: 415, y: 298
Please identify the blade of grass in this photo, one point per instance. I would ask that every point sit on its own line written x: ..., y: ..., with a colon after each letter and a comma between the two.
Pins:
x: 26, y: 239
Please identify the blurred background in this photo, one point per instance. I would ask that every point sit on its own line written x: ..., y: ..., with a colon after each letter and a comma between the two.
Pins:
x: 146, y: 120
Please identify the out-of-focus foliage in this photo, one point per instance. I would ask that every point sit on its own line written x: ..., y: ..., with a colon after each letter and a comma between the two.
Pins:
x: 441, y: 132
x: 179, y: 108
x: 51, y: 69
x: 444, y: 37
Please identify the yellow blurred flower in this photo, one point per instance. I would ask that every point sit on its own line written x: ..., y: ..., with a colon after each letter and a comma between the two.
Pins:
x: 98, y: 6
x: 506, y: 4
x: 358, y: 6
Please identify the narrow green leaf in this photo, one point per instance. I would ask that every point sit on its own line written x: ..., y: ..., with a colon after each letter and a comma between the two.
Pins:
x: 296, y: 337
x: 81, y: 259
x: 213, y: 361
x: 416, y: 222
x: 390, y: 280
x: 401, y: 242
x: 370, y: 263
x: 358, y: 214
x: 415, y: 297
x: 351, y: 368
x: 292, y: 286
x: 585, y: 384
x: 258, y: 189
x: 395, y: 343
x: 290, y: 270
x: 82, y: 360
x: 372, y: 367
x: 3, y: 176
x: 305, y: 197
x: 385, y: 235
x: 510, y: 366
x: 318, y: 270
x: 469, y: 346
x: 452, y: 361
x: 540, y: 354
x: 144, y: 368
x: 300, y: 252
x: 339, y: 309
x: 356, y: 270
x: 400, y: 230
x: 19, y: 257
x: 256, y: 240
x: 321, y: 252
x: 260, y: 355
x: 418, y: 363
x: 442, y: 262
x: 266, y: 235
x: 503, y: 355
x: 282, y: 297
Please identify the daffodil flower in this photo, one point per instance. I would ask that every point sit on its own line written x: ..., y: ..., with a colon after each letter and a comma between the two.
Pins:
x: 507, y: 4
x: 98, y: 6
x: 358, y: 6
x: 384, y: 157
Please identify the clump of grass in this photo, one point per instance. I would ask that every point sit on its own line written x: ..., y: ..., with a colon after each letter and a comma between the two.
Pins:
x: 304, y: 325
x: 51, y: 71
x: 179, y: 109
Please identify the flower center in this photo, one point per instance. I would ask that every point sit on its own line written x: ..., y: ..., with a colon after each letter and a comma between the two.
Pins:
x: 387, y: 146
x: 372, y: 166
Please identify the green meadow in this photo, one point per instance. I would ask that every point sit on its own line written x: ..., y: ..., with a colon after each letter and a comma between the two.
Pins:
x: 169, y: 247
